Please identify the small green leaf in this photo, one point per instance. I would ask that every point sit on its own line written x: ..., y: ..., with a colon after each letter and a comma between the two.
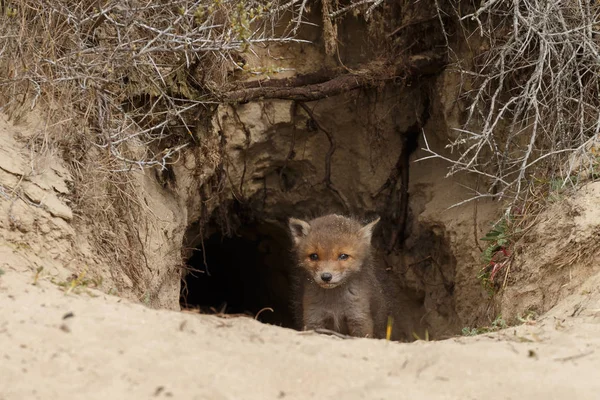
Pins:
x: 489, y: 239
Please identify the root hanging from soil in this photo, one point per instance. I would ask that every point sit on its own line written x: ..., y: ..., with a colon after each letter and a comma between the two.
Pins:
x: 332, y: 146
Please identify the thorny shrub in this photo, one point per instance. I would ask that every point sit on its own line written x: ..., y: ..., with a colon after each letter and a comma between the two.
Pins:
x: 532, y: 94
x: 134, y: 70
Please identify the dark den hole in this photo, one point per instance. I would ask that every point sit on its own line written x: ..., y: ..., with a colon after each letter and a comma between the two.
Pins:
x: 243, y: 274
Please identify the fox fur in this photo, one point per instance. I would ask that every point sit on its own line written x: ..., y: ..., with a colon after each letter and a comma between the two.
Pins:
x: 339, y: 286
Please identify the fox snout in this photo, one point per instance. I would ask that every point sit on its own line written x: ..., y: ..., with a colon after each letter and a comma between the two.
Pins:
x: 328, y: 277
x: 328, y: 280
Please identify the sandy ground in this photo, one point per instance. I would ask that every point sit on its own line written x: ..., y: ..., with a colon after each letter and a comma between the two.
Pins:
x: 94, y: 346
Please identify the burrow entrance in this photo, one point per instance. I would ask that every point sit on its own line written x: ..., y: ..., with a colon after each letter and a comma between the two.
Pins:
x: 250, y: 272
x: 247, y: 272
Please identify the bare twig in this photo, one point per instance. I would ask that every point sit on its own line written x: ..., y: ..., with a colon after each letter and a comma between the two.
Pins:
x: 535, y: 100
x: 350, y: 7
x: 131, y: 67
x: 261, y: 310
x: 324, y: 331
x: 134, y: 79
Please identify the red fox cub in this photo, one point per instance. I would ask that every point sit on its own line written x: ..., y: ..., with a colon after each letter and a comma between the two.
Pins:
x: 340, y: 287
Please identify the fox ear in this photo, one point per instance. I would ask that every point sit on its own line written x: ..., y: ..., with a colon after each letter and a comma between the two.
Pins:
x: 299, y: 229
x: 367, y: 231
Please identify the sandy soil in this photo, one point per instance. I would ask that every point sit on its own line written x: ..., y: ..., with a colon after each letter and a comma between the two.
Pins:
x: 91, y: 345
x: 94, y: 346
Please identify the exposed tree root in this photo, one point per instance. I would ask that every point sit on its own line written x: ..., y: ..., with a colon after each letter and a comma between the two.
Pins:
x: 292, y: 151
x: 332, y: 147
x: 327, y: 83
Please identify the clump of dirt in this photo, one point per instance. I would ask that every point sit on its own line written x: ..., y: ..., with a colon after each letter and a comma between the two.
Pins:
x: 35, y: 213
x: 53, y: 233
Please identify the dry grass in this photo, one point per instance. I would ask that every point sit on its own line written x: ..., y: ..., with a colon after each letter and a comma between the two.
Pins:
x: 135, y: 72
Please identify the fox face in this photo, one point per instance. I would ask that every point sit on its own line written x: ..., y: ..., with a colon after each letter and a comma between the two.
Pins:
x: 331, y: 248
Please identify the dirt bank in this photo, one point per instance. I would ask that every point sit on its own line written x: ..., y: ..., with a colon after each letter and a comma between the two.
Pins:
x: 61, y: 335
x: 136, y: 185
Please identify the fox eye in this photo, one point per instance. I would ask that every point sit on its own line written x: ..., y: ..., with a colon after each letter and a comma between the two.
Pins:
x: 313, y: 256
x: 343, y: 257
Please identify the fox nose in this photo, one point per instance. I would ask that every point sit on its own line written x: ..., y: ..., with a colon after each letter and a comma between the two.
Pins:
x: 326, y: 276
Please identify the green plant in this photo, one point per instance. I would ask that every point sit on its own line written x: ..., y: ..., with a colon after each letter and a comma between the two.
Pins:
x: 11, y: 12
x: 145, y: 298
x: 417, y: 337
x: 497, y: 324
x: 466, y: 331
x: 498, y: 240
x: 77, y: 283
x: 496, y: 255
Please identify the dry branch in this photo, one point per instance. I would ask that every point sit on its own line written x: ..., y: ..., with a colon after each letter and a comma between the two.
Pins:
x: 125, y: 84
x: 325, y: 83
x: 135, y: 71
x: 533, y: 106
